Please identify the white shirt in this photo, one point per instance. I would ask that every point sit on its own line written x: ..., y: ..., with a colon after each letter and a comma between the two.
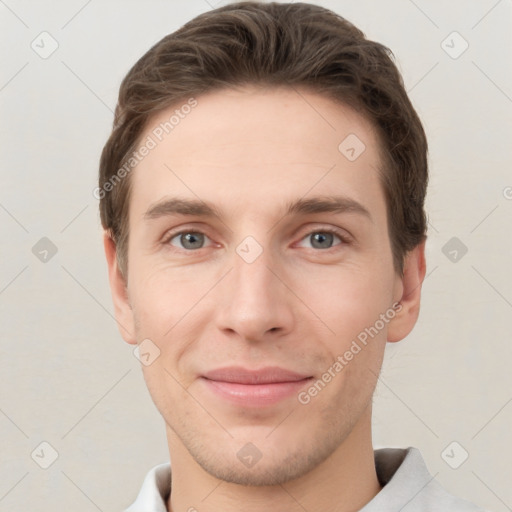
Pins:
x: 407, y: 486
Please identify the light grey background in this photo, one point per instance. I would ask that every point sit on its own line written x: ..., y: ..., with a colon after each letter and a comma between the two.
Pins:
x: 69, y: 380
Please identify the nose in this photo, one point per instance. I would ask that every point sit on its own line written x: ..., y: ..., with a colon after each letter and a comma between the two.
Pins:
x: 255, y: 302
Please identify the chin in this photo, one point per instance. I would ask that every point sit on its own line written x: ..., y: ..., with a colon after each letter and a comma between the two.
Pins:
x: 249, y: 466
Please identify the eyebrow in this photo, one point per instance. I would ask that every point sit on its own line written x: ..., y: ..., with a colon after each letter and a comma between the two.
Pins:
x: 196, y: 207
x: 328, y: 204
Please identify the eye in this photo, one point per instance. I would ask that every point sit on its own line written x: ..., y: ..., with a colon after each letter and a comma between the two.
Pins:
x: 188, y: 240
x: 323, y: 239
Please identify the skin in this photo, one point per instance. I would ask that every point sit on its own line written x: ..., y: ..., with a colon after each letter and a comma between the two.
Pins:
x: 249, y: 152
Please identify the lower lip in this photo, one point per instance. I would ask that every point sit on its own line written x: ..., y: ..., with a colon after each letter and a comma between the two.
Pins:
x: 255, y: 395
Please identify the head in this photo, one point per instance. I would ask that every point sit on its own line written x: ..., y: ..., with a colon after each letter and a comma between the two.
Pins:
x: 262, y: 194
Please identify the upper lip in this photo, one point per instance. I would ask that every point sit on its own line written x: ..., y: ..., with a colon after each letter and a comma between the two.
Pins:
x: 267, y: 375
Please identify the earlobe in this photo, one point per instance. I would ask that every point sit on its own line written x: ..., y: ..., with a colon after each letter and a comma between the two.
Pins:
x: 414, y: 274
x: 118, y: 289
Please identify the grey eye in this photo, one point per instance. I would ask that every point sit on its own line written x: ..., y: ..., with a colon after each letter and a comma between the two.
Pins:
x: 321, y: 240
x: 189, y: 240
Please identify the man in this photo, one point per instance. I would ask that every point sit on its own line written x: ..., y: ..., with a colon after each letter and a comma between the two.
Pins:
x: 262, y: 194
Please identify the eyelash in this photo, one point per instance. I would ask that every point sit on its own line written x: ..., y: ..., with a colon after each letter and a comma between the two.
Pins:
x: 343, y: 238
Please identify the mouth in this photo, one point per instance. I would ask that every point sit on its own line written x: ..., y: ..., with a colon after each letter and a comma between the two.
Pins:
x: 254, y: 388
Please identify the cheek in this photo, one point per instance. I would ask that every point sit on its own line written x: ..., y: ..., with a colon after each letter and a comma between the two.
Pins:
x: 156, y: 310
x: 169, y: 309
x: 346, y: 299
x: 162, y: 296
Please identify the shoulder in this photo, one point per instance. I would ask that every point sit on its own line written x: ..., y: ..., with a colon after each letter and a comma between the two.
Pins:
x: 407, y: 485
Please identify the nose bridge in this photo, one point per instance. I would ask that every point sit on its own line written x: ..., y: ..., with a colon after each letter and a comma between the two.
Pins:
x: 253, y: 280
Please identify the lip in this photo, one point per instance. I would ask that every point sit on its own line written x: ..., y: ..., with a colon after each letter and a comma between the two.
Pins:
x: 254, y: 388
x: 267, y: 375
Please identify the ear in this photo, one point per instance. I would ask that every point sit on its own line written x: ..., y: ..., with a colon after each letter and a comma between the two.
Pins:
x: 408, y: 294
x: 118, y: 288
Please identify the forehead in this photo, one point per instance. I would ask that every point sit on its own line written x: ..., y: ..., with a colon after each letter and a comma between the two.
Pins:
x: 262, y: 143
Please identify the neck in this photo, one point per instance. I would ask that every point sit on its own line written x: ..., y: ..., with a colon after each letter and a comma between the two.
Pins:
x: 344, y: 482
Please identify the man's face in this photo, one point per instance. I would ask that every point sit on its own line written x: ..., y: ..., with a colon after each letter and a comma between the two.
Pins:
x: 260, y: 285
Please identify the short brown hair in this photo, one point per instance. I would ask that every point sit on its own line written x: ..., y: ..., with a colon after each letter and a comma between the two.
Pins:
x: 274, y: 44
